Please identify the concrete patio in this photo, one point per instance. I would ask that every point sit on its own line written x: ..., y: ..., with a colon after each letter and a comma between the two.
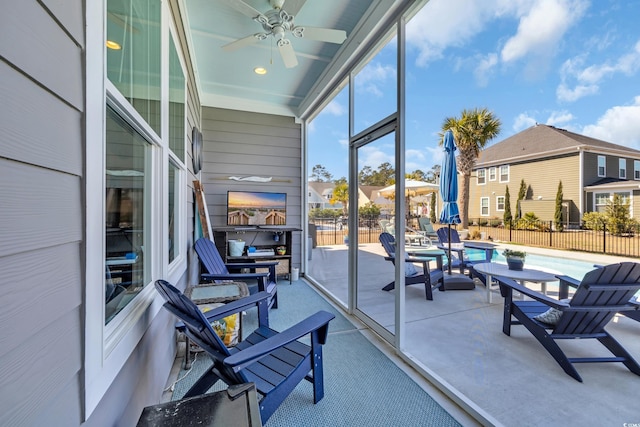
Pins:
x: 457, y: 338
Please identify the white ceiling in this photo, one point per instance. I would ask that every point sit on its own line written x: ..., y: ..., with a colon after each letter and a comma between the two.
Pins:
x: 227, y: 80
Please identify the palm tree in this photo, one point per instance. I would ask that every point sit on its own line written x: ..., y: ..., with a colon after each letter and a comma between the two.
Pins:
x: 472, y: 131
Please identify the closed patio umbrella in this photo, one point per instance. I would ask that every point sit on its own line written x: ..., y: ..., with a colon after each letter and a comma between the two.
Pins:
x: 449, y: 192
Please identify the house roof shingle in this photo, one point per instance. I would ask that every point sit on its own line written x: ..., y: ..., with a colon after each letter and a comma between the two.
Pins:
x: 544, y: 141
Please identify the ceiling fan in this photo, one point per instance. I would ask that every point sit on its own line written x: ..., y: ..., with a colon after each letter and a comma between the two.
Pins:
x: 278, y: 23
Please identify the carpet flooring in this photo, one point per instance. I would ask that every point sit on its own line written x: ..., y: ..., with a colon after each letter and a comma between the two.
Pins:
x: 362, y: 386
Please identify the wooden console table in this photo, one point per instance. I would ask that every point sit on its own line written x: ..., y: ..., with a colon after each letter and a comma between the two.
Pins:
x: 259, y: 237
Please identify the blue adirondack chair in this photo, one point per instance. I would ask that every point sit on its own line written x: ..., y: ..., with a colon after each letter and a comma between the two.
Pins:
x: 275, y: 361
x: 601, y: 294
x: 218, y: 271
x: 430, y: 279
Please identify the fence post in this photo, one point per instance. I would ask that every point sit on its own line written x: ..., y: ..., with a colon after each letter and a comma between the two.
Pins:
x: 510, y: 228
x: 550, y: 234
x: 604, y: 237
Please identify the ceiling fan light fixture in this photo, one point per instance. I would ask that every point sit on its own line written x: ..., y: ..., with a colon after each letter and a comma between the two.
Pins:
x: 260, y: 71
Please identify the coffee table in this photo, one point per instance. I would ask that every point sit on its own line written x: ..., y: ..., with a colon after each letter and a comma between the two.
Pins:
x: 491, y: 269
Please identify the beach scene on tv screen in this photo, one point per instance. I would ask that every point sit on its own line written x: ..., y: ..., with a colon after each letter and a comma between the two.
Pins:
x: 256, y: 208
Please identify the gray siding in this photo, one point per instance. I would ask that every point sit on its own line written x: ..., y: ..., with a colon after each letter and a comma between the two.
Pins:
x: 41, y: 227
x: 240, y: 144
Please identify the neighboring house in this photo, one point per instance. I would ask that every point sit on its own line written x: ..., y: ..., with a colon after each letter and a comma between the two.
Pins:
x: 591, y: 171
x: 320, y: 194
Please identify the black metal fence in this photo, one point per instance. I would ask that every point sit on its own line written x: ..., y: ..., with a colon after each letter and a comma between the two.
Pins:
x: 573, y: 236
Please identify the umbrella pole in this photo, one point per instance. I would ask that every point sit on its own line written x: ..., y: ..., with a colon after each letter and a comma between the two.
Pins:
x: 449, y: 239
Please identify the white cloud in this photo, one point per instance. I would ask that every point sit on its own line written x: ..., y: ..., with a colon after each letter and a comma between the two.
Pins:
x: 542, y: 28
x: 559, y: 118
x: 435, y: 155
x: 619, y: 125
x: 373, y: 76
x: 373, y: 157
x: 523, y: 121
x: 587, y: 80
x: 485, y: 68
x: 335, y: 108
x: 445, y: 23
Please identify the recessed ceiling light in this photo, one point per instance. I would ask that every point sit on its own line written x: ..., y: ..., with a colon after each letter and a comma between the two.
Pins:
x: 113, y: 45
x: 260, y: 70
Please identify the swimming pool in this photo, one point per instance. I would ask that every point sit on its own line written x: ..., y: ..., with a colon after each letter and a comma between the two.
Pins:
x: 566, y: 266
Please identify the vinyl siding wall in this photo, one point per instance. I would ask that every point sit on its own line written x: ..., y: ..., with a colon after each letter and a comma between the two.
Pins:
x: 238, y: 143
x: 41, y: 215
x: 541, y: 177
x: 42, y: 219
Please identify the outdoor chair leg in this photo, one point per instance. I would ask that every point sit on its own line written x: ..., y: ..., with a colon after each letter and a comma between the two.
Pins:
x: 614, y: 347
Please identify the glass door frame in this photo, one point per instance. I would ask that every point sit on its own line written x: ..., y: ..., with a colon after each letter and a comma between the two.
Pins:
x: 392, y: 123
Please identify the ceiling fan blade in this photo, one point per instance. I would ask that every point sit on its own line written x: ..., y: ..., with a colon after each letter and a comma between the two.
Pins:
x: 243, y: 8
x: 322, y: 34
x: 287, y: 53
x: 293, y: 6
x: 240, y: 43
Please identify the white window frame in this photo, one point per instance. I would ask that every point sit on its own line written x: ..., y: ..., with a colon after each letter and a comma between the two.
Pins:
x: 602, y: 163
x: 595, y: 200
x: 622, y: 168
x: 498, y: 203
x: 501, y: 174
x: 492, y: 173
x: 108, y: 347
x: 636, y: 169
x: 482, y: 174
x: 482, y: 201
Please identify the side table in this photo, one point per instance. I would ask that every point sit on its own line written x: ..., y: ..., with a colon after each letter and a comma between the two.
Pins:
x: 209, y: 295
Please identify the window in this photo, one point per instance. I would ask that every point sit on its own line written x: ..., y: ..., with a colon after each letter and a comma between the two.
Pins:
x: 622, y: 167
x: 602, y: 166
x: 482, y: 179
x: 625, y: 197
x: 500, y: 203
x: 492, y: 174
x: 636, y: 169
x: 134, y: 67
x: 128, y: 203
x: 504, y: 173
x: 484, y: 206
x: 601, y: 200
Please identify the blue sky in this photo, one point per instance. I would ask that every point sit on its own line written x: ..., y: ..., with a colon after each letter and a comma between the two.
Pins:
x: 574, y: 64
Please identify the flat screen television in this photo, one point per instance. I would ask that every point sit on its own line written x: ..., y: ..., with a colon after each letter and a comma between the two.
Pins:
x: 256, y: 208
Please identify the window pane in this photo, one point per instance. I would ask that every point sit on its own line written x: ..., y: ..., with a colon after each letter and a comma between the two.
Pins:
x: 173, y: 216
x: 127, y: 207
x: 133, y: 54
x: 176, y: 103
x: 375, y: 88
x: 623, y: 167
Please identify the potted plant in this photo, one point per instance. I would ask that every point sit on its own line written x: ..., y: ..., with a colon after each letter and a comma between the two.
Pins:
x: 515, y: 259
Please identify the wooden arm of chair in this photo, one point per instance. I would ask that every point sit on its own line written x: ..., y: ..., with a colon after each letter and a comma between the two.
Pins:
x: 565, y: 282
x: 511, y: 284
x: 316, y: 323
x: 258, y: 299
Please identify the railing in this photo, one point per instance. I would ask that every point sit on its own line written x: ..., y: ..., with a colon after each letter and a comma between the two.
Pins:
x: 573, y: 237
x: 333, y: 231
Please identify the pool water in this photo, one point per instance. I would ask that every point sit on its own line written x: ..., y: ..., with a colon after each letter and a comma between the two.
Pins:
x: 565, y: 266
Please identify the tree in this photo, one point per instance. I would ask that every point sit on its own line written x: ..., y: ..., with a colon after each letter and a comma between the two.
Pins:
x: 557, y: 218
x: 522, y: 194
x: 417, y: 175
x: 432, y: 210
x: 507, y: 207
x: 382, y: 177
x: 472, y: 131
x: 433, y: 174
x: 341, y: 195
x: 320, y: 174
